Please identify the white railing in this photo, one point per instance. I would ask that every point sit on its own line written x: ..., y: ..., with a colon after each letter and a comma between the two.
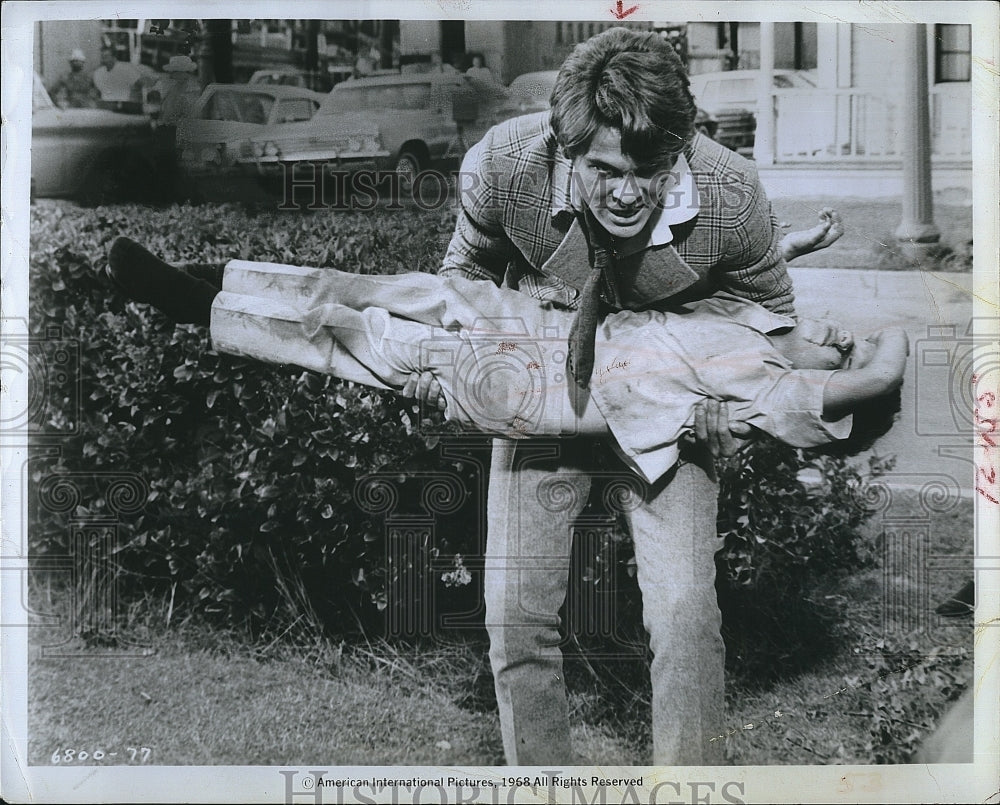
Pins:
x: 832, y: 125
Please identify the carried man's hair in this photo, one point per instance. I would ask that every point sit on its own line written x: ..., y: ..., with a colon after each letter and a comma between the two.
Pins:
x: 627, y: 80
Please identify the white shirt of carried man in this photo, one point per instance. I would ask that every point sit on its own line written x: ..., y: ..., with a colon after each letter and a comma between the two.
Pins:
x: 651, y: 368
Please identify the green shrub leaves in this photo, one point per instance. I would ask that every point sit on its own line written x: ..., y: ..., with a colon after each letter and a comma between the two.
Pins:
x: 248, y: 472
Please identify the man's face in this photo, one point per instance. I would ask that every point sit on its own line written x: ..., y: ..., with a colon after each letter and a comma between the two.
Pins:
x: 815, y: 344
x: 619, y: 192
x: 108, y: 59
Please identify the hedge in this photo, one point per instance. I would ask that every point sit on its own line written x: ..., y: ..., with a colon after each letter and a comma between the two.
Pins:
x: 244, y: 485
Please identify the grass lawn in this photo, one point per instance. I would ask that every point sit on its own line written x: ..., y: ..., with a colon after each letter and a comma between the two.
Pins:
x: 207, y: 697
x: 194, y: 703
x: 886, y: 656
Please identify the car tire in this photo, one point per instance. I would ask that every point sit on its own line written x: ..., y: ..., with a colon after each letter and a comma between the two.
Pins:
x: 407, y: 167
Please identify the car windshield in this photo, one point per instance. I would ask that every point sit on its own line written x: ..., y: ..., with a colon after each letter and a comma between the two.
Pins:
x: 343, y: 99
x: 738, y: 89
x: 720, y: 88
x: 346, y: 98
x: 39, y: 97
x: 284, y: 79
x: 242, y: 107
x: 537, y: 87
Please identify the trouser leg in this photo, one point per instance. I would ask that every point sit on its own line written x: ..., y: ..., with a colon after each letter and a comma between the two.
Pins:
x: 535, y: 493
x: 495, y: 391
x: 448, y: 302
x: 675, y: 536
x: 367, y: 347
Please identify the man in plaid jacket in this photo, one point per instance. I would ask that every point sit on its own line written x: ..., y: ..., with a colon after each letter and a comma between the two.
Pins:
x: 609, y: 201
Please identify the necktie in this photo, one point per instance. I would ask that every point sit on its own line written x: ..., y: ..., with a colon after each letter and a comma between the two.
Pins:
x: 580, y: 356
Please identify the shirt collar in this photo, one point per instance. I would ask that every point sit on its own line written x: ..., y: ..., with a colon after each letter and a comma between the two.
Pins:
x: 562, y: 183
x: 679, y: 203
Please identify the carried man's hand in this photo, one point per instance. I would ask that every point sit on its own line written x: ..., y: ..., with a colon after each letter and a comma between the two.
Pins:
x: 714, y: 430
x: 424, y: 387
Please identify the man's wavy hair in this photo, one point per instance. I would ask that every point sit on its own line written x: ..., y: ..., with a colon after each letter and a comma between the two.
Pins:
x: 627, y: 80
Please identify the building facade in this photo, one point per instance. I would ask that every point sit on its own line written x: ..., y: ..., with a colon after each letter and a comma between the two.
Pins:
x: 853, y: 116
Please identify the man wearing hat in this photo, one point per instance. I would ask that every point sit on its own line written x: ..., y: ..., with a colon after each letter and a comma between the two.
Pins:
x: 179, y: 89
x: 176, y: 93
x: 75, y: 89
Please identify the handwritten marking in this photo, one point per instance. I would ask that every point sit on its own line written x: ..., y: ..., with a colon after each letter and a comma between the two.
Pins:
x: 621, y: 13
x: 986, y: 469
x: 534, y: 365
x: 506, y: 346
x: 616, y: 364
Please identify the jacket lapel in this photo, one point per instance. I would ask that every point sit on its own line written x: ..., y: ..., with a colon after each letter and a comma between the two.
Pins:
x: 556, y: 244
x: 652, y: 275
x: 571, y: 259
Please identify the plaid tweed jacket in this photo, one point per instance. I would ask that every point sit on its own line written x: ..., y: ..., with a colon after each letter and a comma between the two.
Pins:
x: 516, y: 227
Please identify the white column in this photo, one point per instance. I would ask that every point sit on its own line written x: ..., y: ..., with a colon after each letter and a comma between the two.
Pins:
x: 826, y: 54
x: 917, y: 229
x: 763, y: 145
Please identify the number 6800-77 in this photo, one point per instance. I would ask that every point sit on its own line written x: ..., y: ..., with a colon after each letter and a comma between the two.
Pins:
x: 135, y: 754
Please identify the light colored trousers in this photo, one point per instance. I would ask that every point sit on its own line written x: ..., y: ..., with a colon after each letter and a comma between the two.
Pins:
x: 537, y: 489
x: 498, y: 355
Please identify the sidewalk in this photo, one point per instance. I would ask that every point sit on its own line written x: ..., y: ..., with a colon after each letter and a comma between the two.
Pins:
x: 951, y: 179
x: 869, y: 227
x: 932, y: 439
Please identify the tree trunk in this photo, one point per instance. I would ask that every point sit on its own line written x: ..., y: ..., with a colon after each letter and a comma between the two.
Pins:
x: 216, y: 54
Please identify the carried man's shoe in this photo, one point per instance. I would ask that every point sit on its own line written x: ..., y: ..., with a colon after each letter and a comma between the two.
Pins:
x: 144, y: 277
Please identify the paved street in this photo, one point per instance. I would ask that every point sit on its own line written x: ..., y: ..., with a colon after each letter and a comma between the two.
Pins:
x: 933, y: 437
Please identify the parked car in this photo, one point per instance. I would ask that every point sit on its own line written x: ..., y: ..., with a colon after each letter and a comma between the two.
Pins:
x: 400, y: 122
x: 320, y: 80
x: 216, y: 134
x: 730, y: 96
x: 530, y: 92
x: 94, y: 155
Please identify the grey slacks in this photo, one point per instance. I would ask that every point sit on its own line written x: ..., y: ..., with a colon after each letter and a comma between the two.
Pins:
x: 536, y: 490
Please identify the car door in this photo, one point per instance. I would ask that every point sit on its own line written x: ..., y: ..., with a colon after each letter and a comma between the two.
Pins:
x: 405, y: 112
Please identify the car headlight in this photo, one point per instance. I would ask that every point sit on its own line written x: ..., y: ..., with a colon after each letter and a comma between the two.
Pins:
x: 270, y: 149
